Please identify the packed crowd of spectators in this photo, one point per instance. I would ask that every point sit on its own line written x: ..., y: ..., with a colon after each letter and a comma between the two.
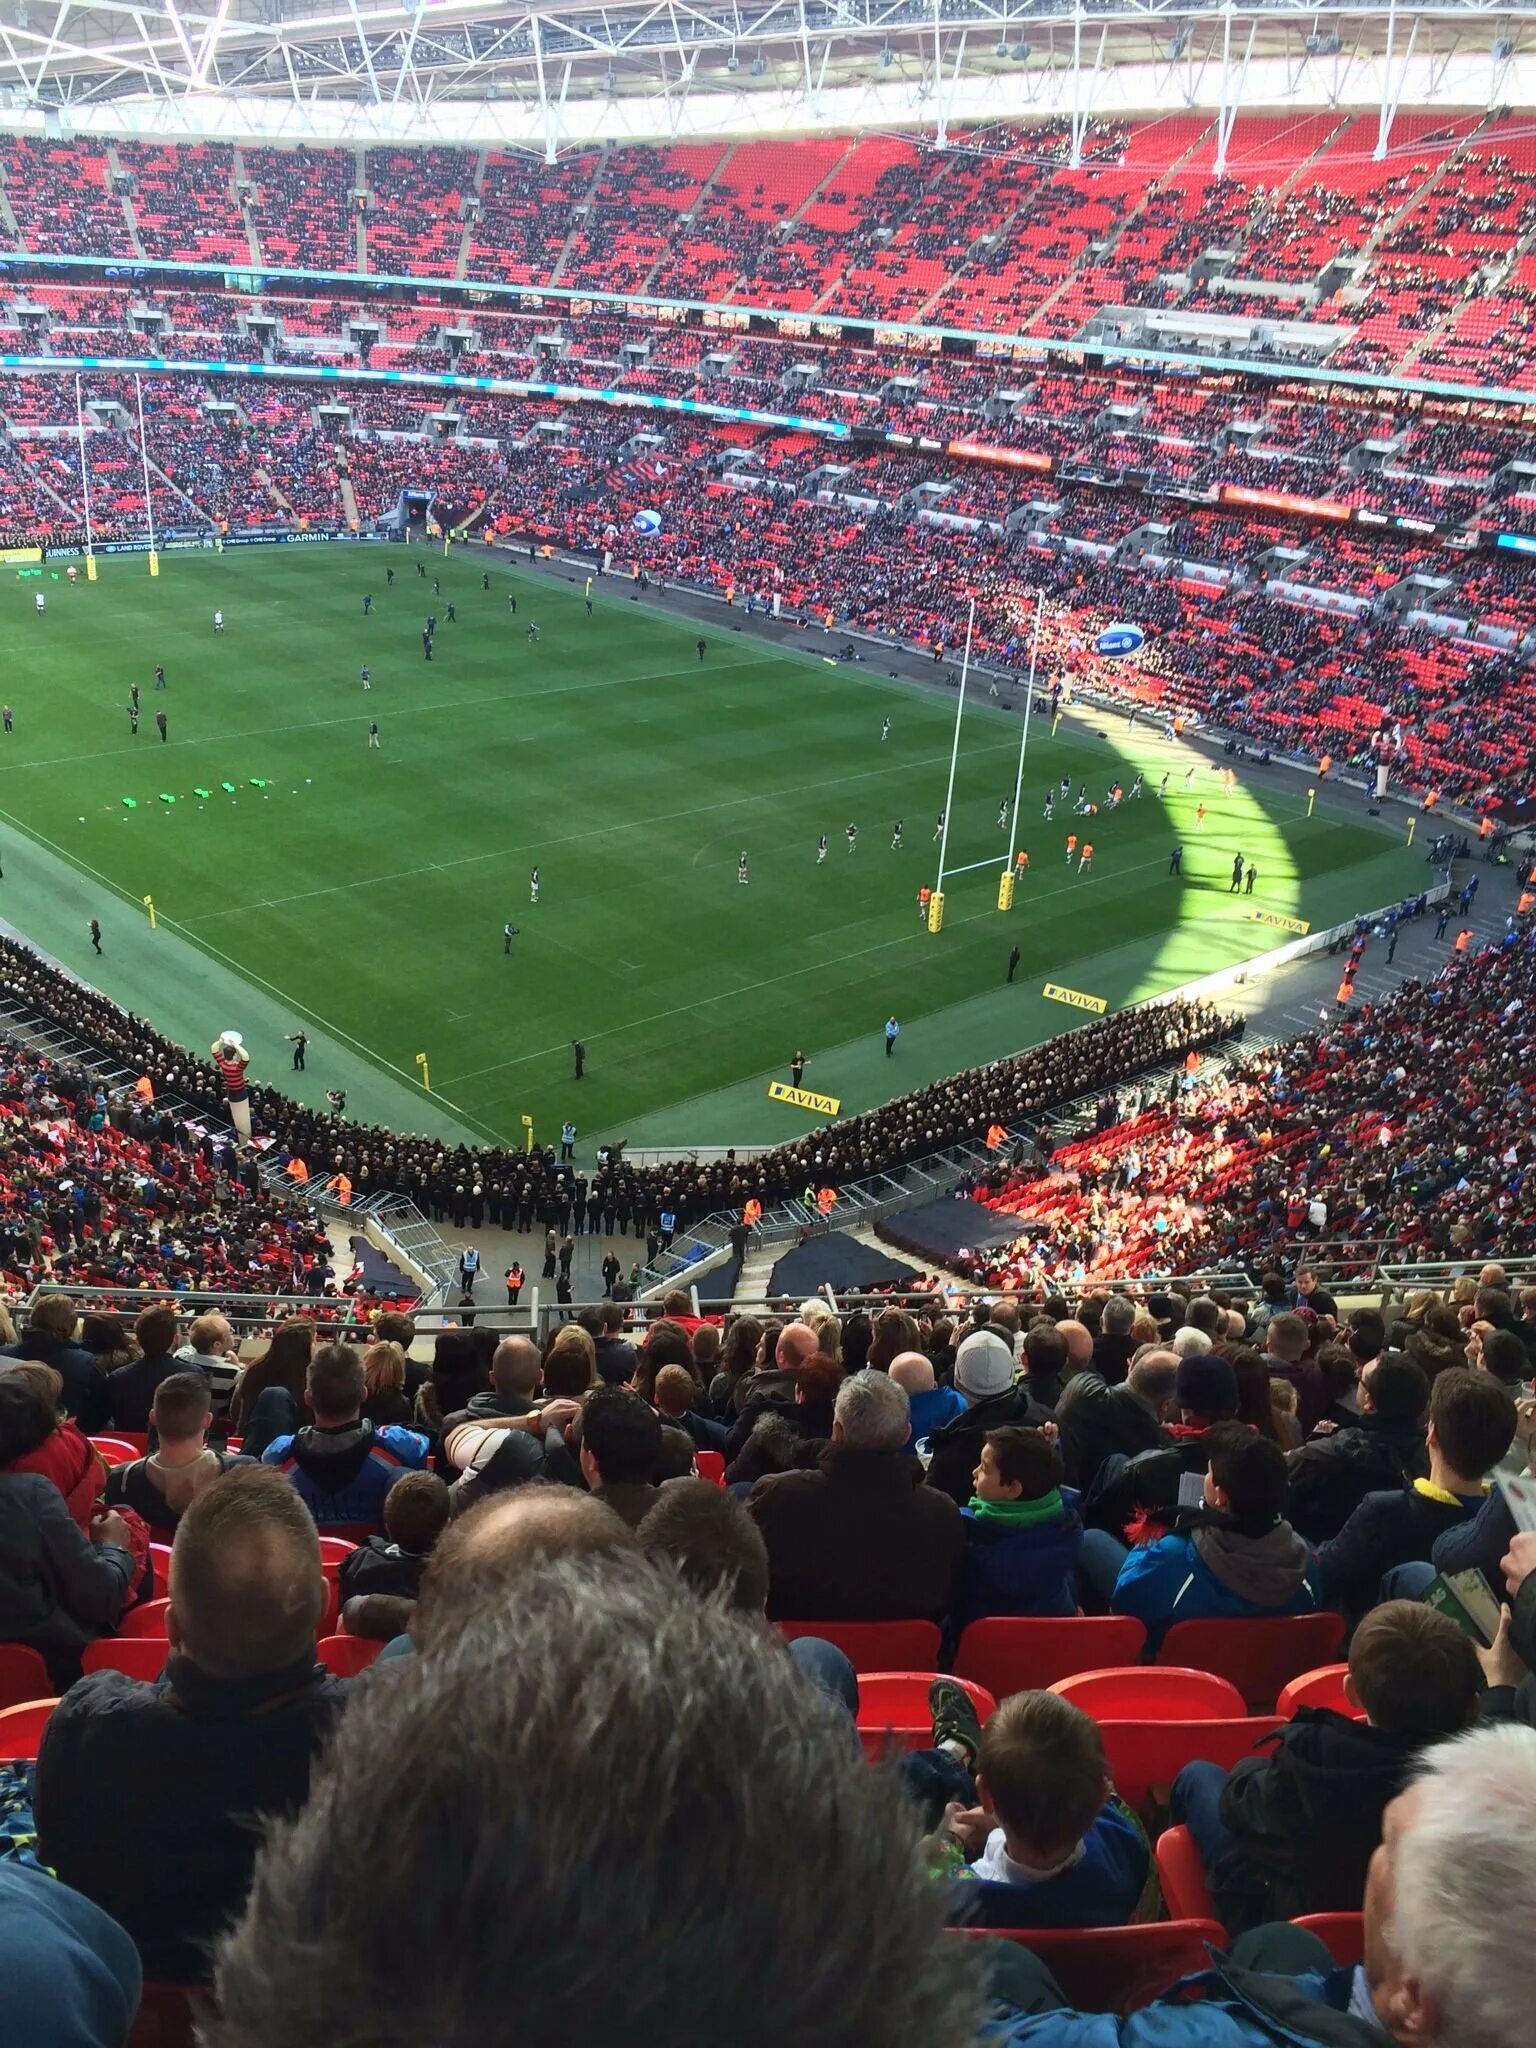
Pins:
x: 521, y: 1547
x: 1411, y: 1124
x: 997, y: 229
x: 97, y: 1193
x: 517, y: 1190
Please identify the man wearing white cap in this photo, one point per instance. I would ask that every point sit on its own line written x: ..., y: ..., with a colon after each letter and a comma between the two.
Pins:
x: 985, y: 1376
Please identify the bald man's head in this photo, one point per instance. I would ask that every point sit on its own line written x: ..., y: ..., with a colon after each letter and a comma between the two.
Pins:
x: 797, y: 1342
x: 912, y: 1372
x: 488, y: 1551
x: 1079, y: 1342
x: 1154, y: 1375
x: 516, y: 1367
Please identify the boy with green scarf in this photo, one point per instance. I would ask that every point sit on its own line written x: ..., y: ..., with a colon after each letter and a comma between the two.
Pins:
x: 1022, y: 1532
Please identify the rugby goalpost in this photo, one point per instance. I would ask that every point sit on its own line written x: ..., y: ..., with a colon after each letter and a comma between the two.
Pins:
x: 1005, y: 878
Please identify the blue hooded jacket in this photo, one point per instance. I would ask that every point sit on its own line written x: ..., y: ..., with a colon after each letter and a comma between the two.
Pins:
x: 1212, y: 1574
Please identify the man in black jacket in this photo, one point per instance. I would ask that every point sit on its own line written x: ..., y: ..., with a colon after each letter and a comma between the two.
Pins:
x: 148, y: 1796
x: 1292, y: 1831
x: 131, y: 1389
x: 1115, y: 1347
x: 1332, y: 1473
x: 1097, y: 1421
x: 984, y: 1374
x: 1471, y: 1426
x: 616, y: 1360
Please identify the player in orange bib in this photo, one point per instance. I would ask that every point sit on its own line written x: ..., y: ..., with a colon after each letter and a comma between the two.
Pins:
x: 1087, y: 860
x: 1071, y: 847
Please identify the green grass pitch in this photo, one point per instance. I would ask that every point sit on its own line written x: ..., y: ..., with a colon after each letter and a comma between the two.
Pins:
x: 363, y: 893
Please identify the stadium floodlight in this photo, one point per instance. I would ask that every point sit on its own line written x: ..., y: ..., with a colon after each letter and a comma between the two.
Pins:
x: 887, y: 57
x: 1178, y: 44
x: 759, y: 65
x: 1503, y: 50
x: 1021, y: 53
x: 733, y: 62
x: 1001, y: 49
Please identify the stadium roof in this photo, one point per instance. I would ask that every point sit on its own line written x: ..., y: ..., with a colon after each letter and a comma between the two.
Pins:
x: 434, y: 69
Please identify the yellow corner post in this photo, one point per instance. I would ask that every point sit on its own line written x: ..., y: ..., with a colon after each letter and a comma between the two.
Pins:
x: 426, y: 1072
x: 149, y: 905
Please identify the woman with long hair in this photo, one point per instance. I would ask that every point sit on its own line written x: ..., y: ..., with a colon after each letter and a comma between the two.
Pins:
x: 453, y: 1379
x: 384, y: 1397
x: 1255, y: 1406
x: 738, y: 1355
x: 108, y: 1340
x: 273, y: 1385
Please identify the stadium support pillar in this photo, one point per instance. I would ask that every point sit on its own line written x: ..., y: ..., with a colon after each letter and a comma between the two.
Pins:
x: 1392, y: 88
x: 547, y: 107
x: 1231, y: 96
x: 1083, y: 92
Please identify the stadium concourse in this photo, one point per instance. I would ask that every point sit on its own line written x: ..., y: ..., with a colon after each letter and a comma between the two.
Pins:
x: 1149, y: 1602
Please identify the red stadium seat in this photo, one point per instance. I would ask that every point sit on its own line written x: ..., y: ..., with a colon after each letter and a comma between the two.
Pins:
x: 148, y: 1620
x: 711, y: 1466
x: 1260, y: 1657
x: 345, y: 1656
x: 1152, y: 1692
x: 161, y: 1553
x: 1343, y: 1933
x: 1117, y: 1969
x: 135, y: 1656
x: 333, y: 1549
x: 352, y: 1534
x: 1146, y: 1756
x: 164, y: 2018
x: 1323, y: 1687
x: 894, y: 1712
x: 114, y: 1450
x: 875, y: 1645
x: 1006, y: 1654
x: 23, y: 1675
x: 21, y: 1729
x: 1182, y: 1876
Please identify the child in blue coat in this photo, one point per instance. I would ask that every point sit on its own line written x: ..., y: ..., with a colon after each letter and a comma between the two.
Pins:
x: 1022, y: 1532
